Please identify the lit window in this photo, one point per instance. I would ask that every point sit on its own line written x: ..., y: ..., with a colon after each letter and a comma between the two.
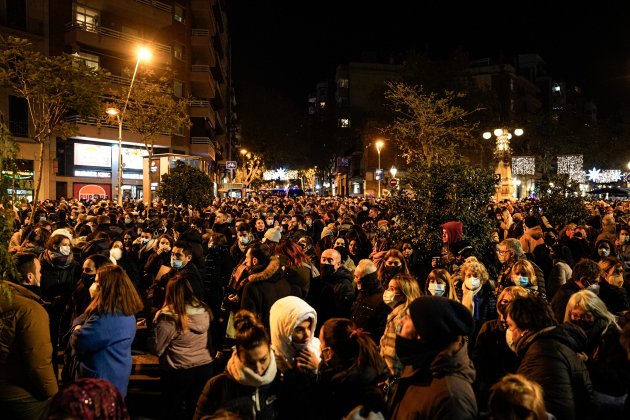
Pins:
x: 178, y: 51
x: 90, y: 60
x: 344, y: 122
x: 87, y: 18
x: 178, y: 13
x: 322, y: 104
x: 178, y: 89
x: 342, y: 83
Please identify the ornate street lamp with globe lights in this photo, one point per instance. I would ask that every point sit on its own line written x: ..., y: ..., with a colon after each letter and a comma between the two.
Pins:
x: 503, y: 155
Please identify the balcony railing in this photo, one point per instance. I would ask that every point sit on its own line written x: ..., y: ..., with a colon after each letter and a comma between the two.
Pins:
x: 111, y: 33
x: 200, y: 32
x: 157, y: 4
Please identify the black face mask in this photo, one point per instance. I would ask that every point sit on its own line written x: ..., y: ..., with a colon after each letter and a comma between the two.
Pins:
x: 409, y: 351
x: 587, y: 326
x: 87, y: 279
x: 392, y: 270
x: 328, y: 270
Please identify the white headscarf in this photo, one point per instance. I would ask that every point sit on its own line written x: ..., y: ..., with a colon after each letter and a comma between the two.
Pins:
x: 286, y: 314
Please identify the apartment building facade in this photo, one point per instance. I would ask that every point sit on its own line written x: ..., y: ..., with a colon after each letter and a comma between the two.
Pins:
x: 188, y: 36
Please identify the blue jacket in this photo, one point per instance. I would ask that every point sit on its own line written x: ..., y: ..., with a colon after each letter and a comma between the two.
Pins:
x: 103, y: 347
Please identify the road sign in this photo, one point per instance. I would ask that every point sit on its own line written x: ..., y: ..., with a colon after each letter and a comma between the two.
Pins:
x: 230, y: 164
x: 379, y: 174
x: 393, y: 182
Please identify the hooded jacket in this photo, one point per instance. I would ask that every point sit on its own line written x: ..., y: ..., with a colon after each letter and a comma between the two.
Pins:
x: 286, y: 314
x: 26, y: 369
x: 441, y: 389
x: 182, y: 349
x: 265, y: 285
x: 549, y: 357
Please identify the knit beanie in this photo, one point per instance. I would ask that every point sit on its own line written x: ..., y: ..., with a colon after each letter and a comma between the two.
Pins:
x: 440, y: 320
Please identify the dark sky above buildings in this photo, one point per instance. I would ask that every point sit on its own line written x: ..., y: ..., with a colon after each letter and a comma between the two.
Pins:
x: 291, y: 45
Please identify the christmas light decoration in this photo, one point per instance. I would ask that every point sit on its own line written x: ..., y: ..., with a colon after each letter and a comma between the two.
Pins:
x: 523, y: 165
x: 571, y: 165
x: 281, y: 174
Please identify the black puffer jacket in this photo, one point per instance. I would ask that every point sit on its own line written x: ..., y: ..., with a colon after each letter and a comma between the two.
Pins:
x: 549, y: 357
x: 369, y: 311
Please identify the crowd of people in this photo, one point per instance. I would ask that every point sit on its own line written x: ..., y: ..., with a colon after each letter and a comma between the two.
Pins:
x: 274, y: 308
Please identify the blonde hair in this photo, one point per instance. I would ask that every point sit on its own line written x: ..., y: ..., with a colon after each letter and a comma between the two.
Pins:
x: 441, y: 274
x: 525, y: 268
x: 516, y: 397
x: 590, y: 302
x: 408, y: 285
x: 476, y: 268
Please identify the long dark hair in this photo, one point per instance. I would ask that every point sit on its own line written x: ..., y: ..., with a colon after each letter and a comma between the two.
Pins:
x: 179, y: 293
x: 351, y: 345
x: 116, y: 293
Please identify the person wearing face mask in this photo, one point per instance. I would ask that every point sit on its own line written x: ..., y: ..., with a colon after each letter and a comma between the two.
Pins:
x: 332, y: 293
x: 393, y: 262
x: 622, y: 248
x: 369, y: 310
x: 402, y: 290
x: 84, y: 291
x: 440, y: 283
x: 586, y: 275
x: 611, y: 286
x: 306, y: 243
x: 28, y: 379
x: 436, y: 381
x: 159, y: 259
x: 491, y: 355
x: 603, y: 248
x: 250, y: 387
x: 341, y: 247
x: 523, y: 275
x: 549, y: 356
x: 144, y: 246
x: 244, y: 238
x: 349, y: 372
x: 608, y: 366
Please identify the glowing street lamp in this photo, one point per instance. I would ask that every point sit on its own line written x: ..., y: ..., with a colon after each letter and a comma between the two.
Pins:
x: 143, y: 54
x: 393, y: 171
x: 503, y: 154
x: 379, y: 145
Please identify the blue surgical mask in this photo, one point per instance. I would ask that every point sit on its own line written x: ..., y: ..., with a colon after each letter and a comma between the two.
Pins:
x: 523, y: 281
x: 177, y: 264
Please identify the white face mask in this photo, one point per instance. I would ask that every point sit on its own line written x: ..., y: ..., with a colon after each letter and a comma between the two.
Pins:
x: 93, y: 289
x: 64, y: 249
x: 472, y: 283
x: 604, y: 252
x: 594, y: 288
x: 389, y: 297
x: 116, y: 253
x: 437, y: 289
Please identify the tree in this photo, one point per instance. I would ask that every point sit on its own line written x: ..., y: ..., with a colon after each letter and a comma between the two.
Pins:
x: 427, y: 127
x: 561, y: 202
x: 53, y: 86
x: 186, y: 185
x: 252, y: 168
x: 444, y: 191
x: 7, y: 264
x: 152, y: 109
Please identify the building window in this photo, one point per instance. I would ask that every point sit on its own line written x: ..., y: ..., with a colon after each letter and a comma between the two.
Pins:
x: 344, y: 122
x: 178, y: 88
x: 178, y: 13
x: 322, y: 104
x: 342, y: 83
x: 85, y: 17
x: 90, y: 60
x: 178, y: 51
x: 18, y: 116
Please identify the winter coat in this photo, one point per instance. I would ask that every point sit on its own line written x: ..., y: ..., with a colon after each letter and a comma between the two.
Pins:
x: 26, y: 369
x: 549, y: 357
x: 341, y: 390
x: 182, y: 349
x: 264, y: 287
x: 103, y: 347
x: 492, y: 357
x: 247, y: 402
x: 561, y: 298
x: 388, y: 341
x: 369, y: 312
x: 441, y: 389
x: 341, y: 283
x: 608, y: 365
x: 560, y: 274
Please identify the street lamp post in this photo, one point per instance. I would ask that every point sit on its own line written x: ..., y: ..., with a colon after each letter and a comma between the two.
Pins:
x: 379, y: 146
x: 503, y: 154
x: 143, y: 54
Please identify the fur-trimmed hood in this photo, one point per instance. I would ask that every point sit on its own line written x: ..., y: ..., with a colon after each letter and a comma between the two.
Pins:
x: 271, y: 272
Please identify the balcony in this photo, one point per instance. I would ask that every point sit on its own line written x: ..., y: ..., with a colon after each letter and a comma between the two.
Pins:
x: 202, y: 83
x: 200, y: 108
x: 203, y: 146
x: 109, y: 39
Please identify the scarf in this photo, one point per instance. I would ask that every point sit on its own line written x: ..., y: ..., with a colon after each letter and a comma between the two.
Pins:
x: 245, y: 376
x: 59, y: 260
x: 470, y: 300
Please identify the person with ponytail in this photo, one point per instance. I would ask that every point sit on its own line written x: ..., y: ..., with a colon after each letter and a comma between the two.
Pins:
x: 249, y: 387
x: 350, y: 371
x: 181, y: 341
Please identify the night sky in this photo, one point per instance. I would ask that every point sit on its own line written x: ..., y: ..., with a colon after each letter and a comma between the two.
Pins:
x: 291, y: 45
